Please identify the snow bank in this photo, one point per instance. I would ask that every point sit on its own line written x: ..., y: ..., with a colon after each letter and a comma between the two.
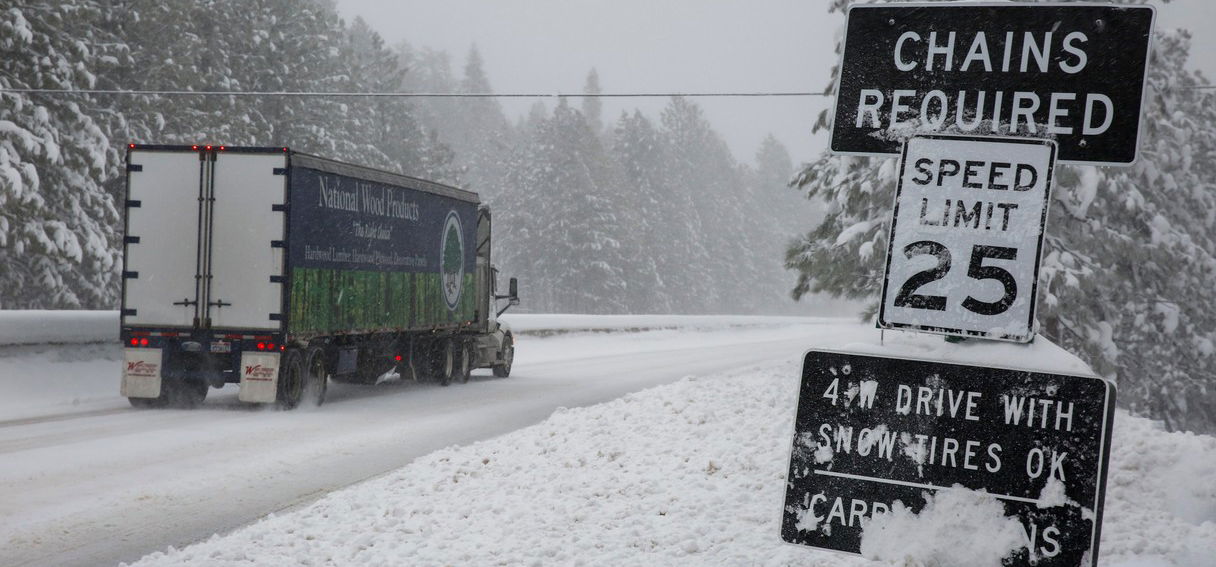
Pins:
x: 956, y: 527
x: 690, y: 473
x: 58, y: 327
x: 76, y: 327
x: 543, y: 324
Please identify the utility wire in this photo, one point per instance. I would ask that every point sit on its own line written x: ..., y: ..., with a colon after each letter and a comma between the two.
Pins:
x: 402, y: 95
x: 318, y: 94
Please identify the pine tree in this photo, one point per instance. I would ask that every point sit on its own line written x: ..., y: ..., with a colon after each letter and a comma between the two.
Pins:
x: 388, y: 125
x: 559, y: 220
x: 592, y: 108
x: 483, y: 136
x: 58, y: 225
x: 1130, y: 258
x: 1129, y: 254
x: 651, y: 246
x: 708, y: 189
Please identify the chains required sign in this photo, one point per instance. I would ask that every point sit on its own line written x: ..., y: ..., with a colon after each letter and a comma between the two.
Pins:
x: 1074, y: 72
x: 966, y: 236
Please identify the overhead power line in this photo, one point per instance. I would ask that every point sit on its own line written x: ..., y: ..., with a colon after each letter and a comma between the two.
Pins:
x: 322, y: 94
x: 116, y: 92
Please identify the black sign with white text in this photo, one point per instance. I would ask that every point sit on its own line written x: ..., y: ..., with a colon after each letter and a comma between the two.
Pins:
x: 871, y: 431
x: 967, y: 236
x: 1072, y: 73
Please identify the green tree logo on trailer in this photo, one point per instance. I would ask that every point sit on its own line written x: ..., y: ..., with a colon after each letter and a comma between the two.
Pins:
x: 451, y: 263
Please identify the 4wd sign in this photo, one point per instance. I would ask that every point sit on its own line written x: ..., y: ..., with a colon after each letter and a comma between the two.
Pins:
x: 874, y: 434
x: 1071, y: 72
x: 966, y: 236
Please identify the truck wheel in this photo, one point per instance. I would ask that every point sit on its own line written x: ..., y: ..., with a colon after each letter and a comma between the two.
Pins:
x: 316, y: 379
x: 508, y: 356
x: 446, y: 362
x: 291, y: 381
x: 464, y: 363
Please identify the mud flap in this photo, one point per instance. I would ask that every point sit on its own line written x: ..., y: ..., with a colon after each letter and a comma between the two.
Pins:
x: 141, y: 372
x: 259, y: 377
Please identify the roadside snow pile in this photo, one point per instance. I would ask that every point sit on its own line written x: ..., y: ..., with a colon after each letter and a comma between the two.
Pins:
x: 39, y: 380
x: 690, y: 473
x: 29, y: 327
x: 57, y: 327
x: 549, y: 324
x: 956, y: 527
x: 1160, y: 497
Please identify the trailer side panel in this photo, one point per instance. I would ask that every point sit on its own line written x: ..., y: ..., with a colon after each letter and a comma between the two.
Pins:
x: 369, y: 255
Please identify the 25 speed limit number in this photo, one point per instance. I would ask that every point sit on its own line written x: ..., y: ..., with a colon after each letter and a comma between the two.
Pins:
x: 966, y: 236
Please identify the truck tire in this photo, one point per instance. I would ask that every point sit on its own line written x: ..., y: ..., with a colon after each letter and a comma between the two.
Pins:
x: 316, y: 378
x: 304, y: 379
x: 464, y: 363
x: 445, y: 366
x: 291, y: 381
x: 503, y: 369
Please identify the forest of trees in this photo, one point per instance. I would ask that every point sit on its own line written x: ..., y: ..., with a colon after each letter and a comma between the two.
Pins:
x: 594, y: 214
x: 1128, y: 278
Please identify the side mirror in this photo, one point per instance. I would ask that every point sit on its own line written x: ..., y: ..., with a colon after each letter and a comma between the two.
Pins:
x: 512, y: 295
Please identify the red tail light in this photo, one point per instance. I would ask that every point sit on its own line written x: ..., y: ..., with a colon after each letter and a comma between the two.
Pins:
x: 134, y: 342
x: 261, y: 346
x: 270, y: 346
x: 398, y: 358
x: 143, y: 342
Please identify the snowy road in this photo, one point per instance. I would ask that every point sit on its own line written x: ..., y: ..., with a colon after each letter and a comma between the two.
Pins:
x: 104, y: 483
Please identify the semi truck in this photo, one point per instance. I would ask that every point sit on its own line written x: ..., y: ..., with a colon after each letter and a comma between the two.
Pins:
x: 280, y: 271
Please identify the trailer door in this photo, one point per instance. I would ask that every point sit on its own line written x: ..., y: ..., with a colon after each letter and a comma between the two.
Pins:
x: 161, y: 243
x: 246, y: 241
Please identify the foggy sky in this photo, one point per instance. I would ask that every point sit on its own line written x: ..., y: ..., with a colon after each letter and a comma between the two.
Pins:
x: 671, y: 45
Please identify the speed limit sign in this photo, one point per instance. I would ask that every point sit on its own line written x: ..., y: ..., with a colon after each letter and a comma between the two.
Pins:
x: 967, y: 235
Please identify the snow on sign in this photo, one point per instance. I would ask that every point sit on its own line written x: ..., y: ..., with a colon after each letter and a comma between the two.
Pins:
x: 966, y: 236
x: 1073, y: 72
x: 878, y: 439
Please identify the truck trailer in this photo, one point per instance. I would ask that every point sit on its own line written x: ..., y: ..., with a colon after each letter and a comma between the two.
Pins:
x: 279, y: 271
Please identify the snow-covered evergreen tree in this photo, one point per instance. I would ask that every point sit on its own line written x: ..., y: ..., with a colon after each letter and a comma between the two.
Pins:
x: 652, y: 235
x: 388, y: 125
x: 713, y: 201
x: 1129, y: 258
x: 558, y: 221
x: 592, y: 107
x: 58, y: 225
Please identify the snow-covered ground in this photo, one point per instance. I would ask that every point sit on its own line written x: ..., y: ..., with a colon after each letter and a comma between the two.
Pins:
x: 87, y: 480
x: 683, y: 473
x: 690, y: 473
x: 32, y: 327
x: 49, y: 360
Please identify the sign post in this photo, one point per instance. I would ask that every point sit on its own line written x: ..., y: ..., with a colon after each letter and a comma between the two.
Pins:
x: 1072, y: 72
x: 967, y: 236
x: 872, y: 430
